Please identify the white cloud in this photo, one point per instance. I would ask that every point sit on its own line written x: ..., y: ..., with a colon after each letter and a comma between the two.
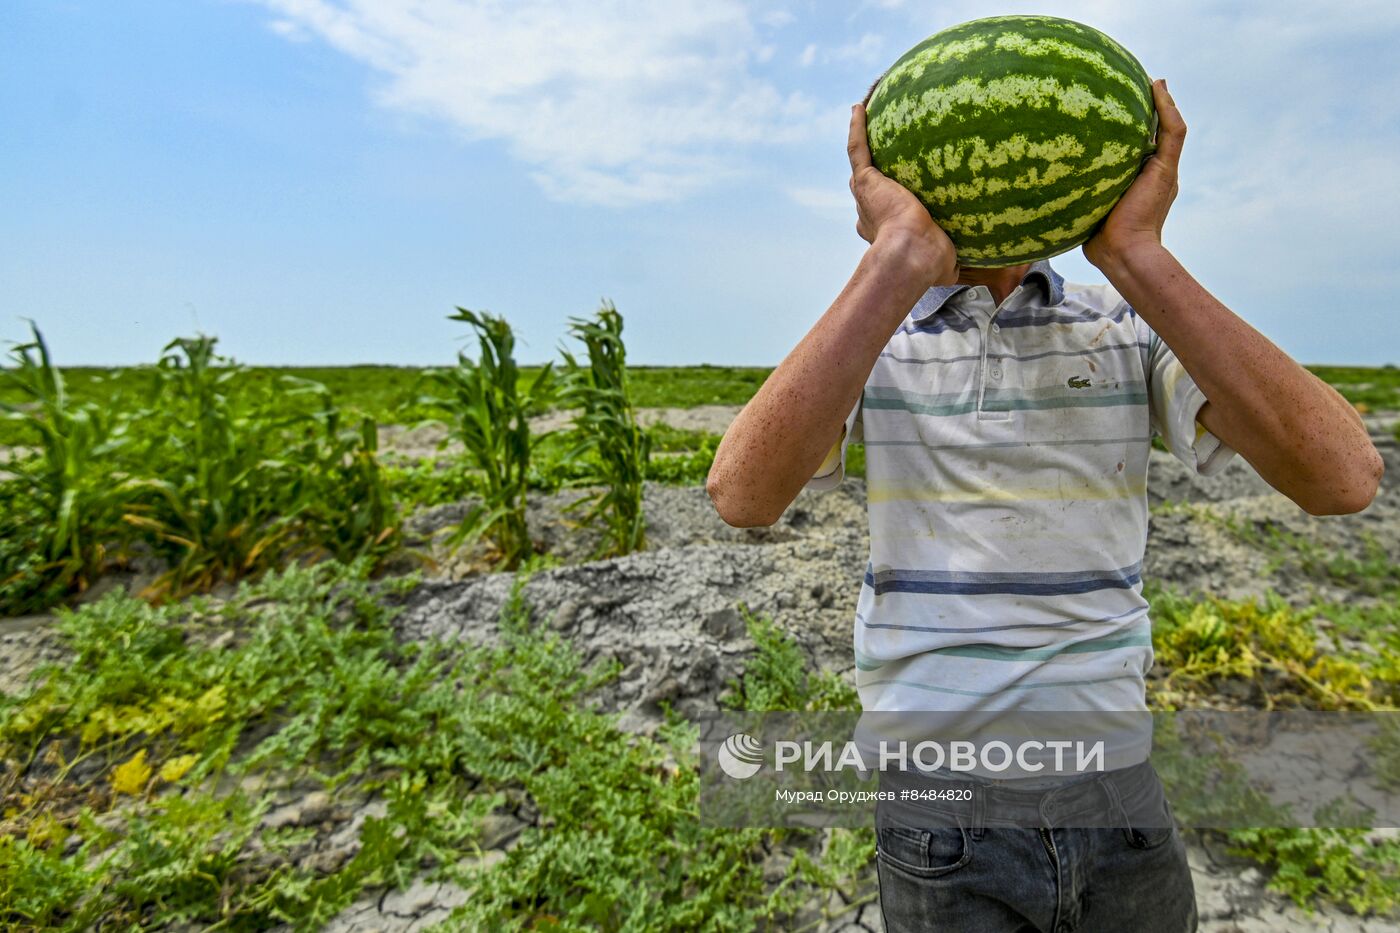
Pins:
x: 607, y: 101
x: 829, y: 201
x: 862, y: 10
x: 867, y: 51
x: 289, y: 30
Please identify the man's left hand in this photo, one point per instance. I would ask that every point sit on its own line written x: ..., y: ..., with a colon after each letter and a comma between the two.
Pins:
x: 1136, y: 220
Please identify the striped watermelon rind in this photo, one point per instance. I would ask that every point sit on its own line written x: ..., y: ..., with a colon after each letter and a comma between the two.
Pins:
x: 1018, y: 133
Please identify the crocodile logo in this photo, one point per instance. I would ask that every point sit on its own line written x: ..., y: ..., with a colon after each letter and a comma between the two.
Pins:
x: 1079, y: 382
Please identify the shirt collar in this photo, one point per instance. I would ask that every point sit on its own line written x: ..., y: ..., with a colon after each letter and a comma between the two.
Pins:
x: 936, y: 297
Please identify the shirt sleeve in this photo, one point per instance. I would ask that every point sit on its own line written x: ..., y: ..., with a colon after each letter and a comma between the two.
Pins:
x: 1174, y: 399
x: 833, y: 468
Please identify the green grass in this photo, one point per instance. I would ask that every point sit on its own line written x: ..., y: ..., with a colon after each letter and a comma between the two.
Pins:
x: 390, y: 394
x: 1376, y: 387
x: 689, y: 386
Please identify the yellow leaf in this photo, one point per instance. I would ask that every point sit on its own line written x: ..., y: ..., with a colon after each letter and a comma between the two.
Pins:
x: 46, y: 831
x: 131, y: 777
x: 176, y: 768
x: 210, y: 705
x: 95, y: 727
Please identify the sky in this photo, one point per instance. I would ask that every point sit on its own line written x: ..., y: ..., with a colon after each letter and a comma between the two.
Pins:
x: 321, y: 182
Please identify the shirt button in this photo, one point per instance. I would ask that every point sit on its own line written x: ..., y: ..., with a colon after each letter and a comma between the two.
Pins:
x: 996, y: 328
x: 996, y: 373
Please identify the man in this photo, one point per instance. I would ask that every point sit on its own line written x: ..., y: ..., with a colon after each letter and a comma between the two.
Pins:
x: 1007, y: 418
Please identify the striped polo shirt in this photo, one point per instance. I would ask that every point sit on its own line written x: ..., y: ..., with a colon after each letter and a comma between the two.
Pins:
x: 1006, y: 465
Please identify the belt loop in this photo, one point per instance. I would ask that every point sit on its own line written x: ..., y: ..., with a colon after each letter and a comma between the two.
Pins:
x: 979, y: 809
x: 1111, y: 790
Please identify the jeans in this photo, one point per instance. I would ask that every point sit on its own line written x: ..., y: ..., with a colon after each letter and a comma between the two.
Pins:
x: 1098, y: 853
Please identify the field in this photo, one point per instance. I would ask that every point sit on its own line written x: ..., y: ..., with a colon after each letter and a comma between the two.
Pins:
x: 277, y: 658
x: 388, y: 393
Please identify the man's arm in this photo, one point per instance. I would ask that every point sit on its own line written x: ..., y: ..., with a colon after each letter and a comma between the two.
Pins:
x: 1302, y: 437
x: 782, y: 435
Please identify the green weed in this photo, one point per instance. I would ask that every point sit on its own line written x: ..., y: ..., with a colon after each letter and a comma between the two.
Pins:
x: 778, y: 675
x: 106, y: 820
x: 390, y: 394
x: 1332, y: 864
x: 1371, y: 572
x: 348, y: 507
x: 424, y: 484
x: 685, y: 468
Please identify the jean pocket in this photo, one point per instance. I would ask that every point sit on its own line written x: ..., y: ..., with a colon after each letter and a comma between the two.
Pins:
x: 925, y: 853
x: 1148, y: 819
x: 1149, y: 838
x: 1160, y: 830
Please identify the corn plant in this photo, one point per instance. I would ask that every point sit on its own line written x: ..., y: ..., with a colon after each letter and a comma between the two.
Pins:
x: 220, y: 497
x: 62, y: 511
x: 489, y: 413
x: 347, y: 507
x: 607, y: 425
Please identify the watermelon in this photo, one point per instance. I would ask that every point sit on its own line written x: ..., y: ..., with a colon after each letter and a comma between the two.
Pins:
x: 1018, y: 133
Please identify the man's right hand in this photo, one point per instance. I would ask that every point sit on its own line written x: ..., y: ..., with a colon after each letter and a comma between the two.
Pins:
x: 889, y: 213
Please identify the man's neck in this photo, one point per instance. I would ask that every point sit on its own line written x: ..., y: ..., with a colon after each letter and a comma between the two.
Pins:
x: 1001, y: 282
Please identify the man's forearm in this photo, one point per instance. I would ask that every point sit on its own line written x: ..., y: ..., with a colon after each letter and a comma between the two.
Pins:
x: 1304, y: 439
x: 782, y: 435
